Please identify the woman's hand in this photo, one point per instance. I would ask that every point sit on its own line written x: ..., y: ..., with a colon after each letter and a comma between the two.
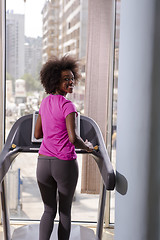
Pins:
x: 89, y: 145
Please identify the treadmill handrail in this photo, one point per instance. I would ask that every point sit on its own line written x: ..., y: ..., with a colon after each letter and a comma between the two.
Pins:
x: 101, y: 157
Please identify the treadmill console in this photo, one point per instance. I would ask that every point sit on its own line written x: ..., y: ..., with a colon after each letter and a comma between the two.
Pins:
x: 34, y: 120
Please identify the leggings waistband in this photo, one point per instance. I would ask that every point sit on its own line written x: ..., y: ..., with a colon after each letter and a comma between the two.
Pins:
x: 51, y: 158
x: 47, y: 157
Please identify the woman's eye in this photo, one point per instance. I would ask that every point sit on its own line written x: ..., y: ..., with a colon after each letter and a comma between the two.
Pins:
x: 69, y: 79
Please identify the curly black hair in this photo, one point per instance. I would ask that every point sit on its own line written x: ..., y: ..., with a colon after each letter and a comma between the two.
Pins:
x: 50, y: 73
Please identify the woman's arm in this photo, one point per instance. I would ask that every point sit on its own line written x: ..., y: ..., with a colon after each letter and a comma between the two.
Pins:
x: 73, y: 137
x: 38, y: 133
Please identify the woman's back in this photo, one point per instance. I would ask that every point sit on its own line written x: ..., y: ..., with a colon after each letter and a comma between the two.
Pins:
x: 53, y: 111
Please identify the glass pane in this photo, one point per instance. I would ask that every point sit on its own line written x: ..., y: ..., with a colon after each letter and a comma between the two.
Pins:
x: 114, y: 110
x: 28, y: 47
x: 35, y: 31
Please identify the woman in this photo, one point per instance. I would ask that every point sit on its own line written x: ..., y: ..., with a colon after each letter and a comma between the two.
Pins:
x: 57, y: 165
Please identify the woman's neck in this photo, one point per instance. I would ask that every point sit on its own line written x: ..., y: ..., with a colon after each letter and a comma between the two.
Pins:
x: 60, y: 93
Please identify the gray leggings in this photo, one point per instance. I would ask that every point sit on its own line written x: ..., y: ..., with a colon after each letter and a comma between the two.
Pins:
x: 53, y: 174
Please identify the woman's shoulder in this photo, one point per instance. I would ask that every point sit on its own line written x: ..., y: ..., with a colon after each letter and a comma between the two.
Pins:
x: 59, y: 98
x: 65, y: 103
x: 68, y: 102
x: 45, y: 99
x: 63, y: 100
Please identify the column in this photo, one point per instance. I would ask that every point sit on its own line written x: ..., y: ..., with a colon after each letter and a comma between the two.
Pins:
x: 138, y: 123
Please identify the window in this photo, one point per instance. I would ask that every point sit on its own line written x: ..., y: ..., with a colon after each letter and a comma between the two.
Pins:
x: 24, y: 96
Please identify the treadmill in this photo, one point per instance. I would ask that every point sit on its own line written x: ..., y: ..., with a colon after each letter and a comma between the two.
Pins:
x: 21, y: 139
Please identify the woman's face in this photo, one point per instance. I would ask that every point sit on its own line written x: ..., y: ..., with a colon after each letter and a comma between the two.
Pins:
x: 67, y: 82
